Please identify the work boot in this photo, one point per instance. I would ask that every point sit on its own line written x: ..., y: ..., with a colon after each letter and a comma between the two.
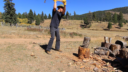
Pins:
x: 48, y: 52
x: 58, y: 50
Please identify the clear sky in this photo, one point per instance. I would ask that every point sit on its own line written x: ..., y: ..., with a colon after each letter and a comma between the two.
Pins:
x: 80, y: 6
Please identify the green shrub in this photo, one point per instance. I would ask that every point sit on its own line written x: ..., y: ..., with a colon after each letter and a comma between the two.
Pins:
x: 109, y: 25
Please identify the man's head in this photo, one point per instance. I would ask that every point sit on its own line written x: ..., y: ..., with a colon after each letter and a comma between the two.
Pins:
x: 61, y: 8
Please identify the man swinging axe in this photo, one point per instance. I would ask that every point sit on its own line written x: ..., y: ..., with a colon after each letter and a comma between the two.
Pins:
x: 54, y: 30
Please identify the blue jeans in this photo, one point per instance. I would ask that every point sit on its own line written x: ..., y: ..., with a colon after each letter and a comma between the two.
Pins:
x: 54, y: 32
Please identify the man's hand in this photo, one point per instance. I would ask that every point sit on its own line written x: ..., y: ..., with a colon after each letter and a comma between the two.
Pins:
x: 54, y: 0
x: 64, y: 2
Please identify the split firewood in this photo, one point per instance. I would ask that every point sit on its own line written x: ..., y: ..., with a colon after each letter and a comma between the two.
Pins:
x: 115, y: 49
x: 103, y: 51
x: 124, y: 53
x: 107, y: 45
x: 86, y: 42
x: 110, y: 39
x: 106, y: 40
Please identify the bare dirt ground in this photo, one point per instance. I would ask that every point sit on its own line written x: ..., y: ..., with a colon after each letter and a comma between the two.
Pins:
x: 24, y: 51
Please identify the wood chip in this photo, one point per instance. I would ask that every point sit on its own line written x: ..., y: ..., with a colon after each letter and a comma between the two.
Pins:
x: 81, y: 67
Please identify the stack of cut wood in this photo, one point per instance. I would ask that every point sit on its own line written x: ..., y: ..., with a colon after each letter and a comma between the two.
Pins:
x: 119, y: 49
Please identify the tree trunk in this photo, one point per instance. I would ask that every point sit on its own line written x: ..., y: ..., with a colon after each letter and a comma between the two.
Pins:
x: 10, y: 24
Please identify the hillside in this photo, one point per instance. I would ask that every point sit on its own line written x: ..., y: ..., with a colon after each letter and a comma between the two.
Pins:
x: 124, y: 10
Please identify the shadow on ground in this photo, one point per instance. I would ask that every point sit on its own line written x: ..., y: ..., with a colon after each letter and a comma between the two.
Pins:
x: 106, y: 29
x: 45, y: 46
x: 116, y: 65
x: 75, y: 54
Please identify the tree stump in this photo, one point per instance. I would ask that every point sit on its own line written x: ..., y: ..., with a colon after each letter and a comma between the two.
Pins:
x: 84, y: 51
x: 121, y: 43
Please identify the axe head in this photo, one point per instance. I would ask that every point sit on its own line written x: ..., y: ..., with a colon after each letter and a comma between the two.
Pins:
x: 44, y: 1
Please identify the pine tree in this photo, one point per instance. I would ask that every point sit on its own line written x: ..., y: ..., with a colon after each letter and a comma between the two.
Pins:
x: 10, y: 15
x: 34, y: 15
x: 45, y: 16
x: 86, y: 21
x: 42, y: 17
x: 0, y: 17
x: 67, y: 15
x: 120, y: 24
x: 3, y: 15
x: 120, y: 17
x: 25, y: 14
x: 109, y: 25
x: 19, y: 15
x: 74, y: 13
x: 30, y: 17
x: 37, y: 20
x: 39, y: 16
x: 94, y: 16
x: 108, y: 16
x: 89, y: 16
x: 125, y: 22
x: 49, y: 16
x: 114, y: 18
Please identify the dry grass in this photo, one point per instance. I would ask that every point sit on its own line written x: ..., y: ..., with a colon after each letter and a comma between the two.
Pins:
x: 17, y: 45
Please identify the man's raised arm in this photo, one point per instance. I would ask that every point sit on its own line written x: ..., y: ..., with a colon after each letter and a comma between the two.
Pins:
x: 64, y: 6
x: 55, y: 5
